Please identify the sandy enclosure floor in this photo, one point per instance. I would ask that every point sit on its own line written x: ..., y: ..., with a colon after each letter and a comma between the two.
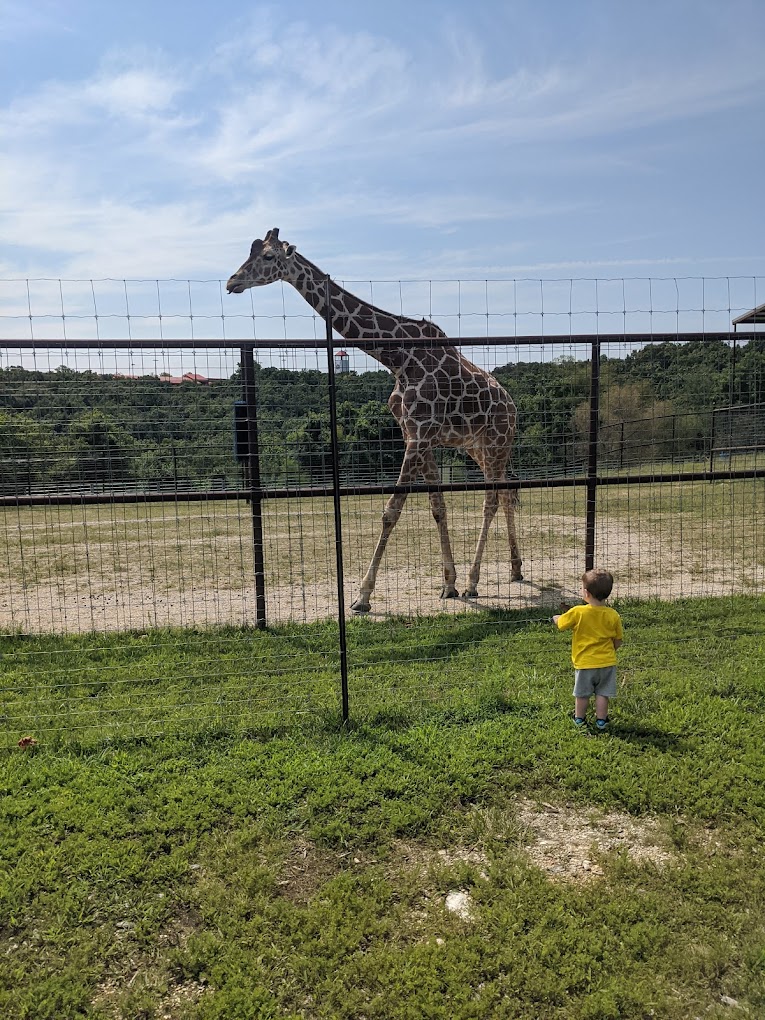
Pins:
x: 80, y: 569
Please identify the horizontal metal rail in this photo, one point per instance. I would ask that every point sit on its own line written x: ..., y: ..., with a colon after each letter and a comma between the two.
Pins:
x: 737, y: 449
x: 163, y: 343
x: 303, y: 492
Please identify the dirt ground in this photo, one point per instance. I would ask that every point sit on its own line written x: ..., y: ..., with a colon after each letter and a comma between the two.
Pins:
x: 72, y: 607
x: 94, y: 570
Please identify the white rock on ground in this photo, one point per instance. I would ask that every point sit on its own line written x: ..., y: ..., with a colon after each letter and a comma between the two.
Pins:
x: 458, y: 902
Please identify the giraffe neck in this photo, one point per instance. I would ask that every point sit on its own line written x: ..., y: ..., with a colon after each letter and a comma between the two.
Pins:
x: 355, y: 319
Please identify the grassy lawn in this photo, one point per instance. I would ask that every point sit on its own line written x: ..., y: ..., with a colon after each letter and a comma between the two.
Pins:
x: 195, y: 836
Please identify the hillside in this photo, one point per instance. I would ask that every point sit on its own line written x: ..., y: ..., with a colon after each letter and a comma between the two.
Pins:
x: 68, y: 427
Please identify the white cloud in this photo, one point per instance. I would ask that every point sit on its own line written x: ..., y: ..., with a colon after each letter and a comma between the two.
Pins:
x: 151, y: 164
x: 303, y: 95
x: 133, y: 92
x: 300, y: 95
x: 129, y: 92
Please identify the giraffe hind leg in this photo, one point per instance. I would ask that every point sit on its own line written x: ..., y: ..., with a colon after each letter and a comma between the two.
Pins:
x: 509, y: 502
x: 438, y: 509
x: 490, y: 504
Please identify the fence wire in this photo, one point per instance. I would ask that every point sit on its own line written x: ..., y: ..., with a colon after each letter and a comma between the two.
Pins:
x: 132, y: 584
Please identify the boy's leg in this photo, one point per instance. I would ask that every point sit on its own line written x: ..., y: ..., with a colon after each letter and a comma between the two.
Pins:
x: 583, y: 691
x: 601, y: 713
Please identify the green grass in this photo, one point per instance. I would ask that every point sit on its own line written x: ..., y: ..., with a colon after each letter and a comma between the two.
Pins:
x: 238, y: 854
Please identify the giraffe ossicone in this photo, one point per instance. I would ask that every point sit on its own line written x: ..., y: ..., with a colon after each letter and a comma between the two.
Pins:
x: 439, y: 399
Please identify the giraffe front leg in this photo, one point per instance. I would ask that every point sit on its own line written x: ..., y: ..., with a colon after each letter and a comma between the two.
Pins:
x: 390, y: 517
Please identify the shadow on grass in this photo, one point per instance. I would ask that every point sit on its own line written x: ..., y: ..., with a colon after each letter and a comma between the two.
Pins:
x: 400, y: 719
x: 649, y: 736
x: 439, y: 637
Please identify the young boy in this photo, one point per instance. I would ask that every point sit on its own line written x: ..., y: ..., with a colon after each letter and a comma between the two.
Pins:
x: 597, y: 634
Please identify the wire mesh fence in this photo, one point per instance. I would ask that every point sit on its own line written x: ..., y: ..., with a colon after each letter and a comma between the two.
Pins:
x: 171, y: 483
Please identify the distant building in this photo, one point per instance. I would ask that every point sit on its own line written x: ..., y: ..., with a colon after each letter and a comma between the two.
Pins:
x: 174, y: 380
x: 342, y: 362
x: 187, y: 377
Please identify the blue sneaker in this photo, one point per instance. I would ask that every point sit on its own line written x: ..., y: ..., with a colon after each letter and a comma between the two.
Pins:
x: 601, y: 726
x: 581, y: 725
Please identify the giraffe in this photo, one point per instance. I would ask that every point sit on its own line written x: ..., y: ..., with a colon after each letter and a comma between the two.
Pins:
x: 439, y: 399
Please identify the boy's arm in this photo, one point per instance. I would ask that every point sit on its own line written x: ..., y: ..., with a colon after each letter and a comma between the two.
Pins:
x: 618, y: 642
x: 564, y: 608
x: 564, y: 621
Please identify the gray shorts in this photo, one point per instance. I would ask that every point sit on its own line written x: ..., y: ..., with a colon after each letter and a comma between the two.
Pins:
x: 595, y: 681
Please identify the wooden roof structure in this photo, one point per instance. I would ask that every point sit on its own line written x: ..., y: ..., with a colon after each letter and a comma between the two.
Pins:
x: 752, y: 317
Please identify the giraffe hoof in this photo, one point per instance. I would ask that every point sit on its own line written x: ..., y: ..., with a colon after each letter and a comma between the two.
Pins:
x: 360, y: 607
x: 470, y: 593
x: 449, y: 593
x: 517, y: 577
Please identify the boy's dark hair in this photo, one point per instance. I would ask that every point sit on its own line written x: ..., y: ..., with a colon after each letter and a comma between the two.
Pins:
x: 598, y: 583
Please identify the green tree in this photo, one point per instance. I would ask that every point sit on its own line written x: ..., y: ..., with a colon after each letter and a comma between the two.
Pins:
x: 694, y: 375
x: 27, y: 452
x: 749, y: 376
x: 310, y: 444
x: 100, y: 448
x: 373, y: 446
x: 546, y: 395
x: 635, y: 428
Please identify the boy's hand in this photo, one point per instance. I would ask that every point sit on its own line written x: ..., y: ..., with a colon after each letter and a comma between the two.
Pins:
x: 564, y: 607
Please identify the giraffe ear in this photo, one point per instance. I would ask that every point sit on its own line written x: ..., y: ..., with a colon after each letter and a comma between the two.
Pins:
x: 290, y: 250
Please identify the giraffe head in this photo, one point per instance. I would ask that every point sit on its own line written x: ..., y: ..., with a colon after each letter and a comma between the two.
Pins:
x: 268, y: 261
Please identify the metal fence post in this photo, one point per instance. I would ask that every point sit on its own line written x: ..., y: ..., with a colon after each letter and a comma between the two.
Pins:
x: 253, y: 482
x: 592, y: 457
x: 335, y: 448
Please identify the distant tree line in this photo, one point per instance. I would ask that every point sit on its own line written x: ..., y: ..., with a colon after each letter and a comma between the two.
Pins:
x: 82, y: 428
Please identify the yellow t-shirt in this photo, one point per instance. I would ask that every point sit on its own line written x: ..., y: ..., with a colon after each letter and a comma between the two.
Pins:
x: 594, y: 629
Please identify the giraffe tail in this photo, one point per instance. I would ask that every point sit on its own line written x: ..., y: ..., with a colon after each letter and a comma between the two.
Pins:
x: 515, y: 494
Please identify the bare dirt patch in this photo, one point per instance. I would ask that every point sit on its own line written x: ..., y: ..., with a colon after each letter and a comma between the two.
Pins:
x: 566, y: 842
x: 148, y: 974
x: 306, y: 868
x: 212, y: 587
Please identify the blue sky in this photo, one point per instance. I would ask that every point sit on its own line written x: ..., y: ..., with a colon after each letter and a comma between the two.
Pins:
x: 399, y: 140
